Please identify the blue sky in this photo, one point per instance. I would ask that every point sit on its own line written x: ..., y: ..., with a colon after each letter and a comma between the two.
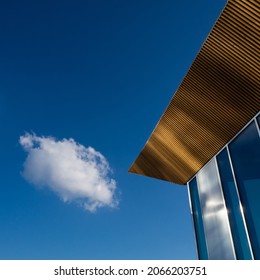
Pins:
x: 101, y: 73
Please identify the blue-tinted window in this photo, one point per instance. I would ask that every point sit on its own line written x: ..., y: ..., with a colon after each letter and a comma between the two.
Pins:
x: 245, y: 154
x: 240, y: 240
x: 197, y: 219
x: 214, y: 213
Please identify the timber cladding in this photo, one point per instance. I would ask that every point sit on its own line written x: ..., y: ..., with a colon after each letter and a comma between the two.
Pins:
x: 217, y: 97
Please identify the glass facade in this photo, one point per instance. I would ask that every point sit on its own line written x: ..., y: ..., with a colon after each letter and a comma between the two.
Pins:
x: 214, y: 214
x: 236, y: 219
x: 245, y: 155
x: 197, y: 220
x: 225, y: 199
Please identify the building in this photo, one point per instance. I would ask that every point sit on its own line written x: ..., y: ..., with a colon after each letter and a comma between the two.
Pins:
x: 208, y: 137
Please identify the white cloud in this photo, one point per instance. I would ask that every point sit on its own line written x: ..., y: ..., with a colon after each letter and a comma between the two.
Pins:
x: 75, y: 173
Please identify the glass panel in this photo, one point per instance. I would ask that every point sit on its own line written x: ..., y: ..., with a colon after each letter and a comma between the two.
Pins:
x: 197, y: 220
x: 215, y: 219
x: 245, y: 154
x: 258, y: 120
x: 240, y: 239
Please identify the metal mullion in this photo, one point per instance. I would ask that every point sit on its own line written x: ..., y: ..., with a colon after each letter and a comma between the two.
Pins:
x: 257, y: 126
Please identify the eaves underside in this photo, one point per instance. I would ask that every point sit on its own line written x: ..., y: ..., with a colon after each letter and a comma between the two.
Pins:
x: 217, y: 97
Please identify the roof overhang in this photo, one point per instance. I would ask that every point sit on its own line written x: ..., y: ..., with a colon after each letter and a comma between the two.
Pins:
x: 217, y: 97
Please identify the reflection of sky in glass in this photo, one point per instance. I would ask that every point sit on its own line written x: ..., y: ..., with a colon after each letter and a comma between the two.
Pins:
x: 214, y: 214
x: 245, y: 154
x: 234, y: 207
x: 197, y: 219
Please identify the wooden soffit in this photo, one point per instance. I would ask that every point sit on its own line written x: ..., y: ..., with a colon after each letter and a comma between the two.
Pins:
x: 217, y: 97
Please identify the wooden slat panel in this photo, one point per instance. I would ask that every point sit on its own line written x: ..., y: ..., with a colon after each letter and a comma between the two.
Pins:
x: 217, y: 97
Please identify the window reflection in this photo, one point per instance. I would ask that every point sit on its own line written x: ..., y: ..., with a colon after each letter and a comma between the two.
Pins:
x: 234, y: 207
x: 245, y: 154
x: 217, y: 230
x: 197, y: 219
